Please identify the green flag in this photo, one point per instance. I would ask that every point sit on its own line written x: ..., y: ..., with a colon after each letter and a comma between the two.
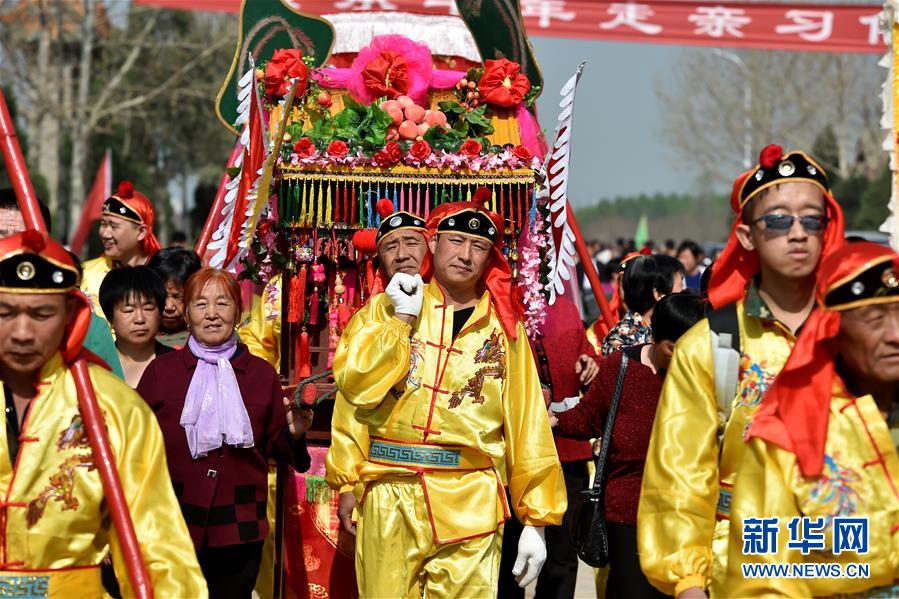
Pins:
x: 642, y: 234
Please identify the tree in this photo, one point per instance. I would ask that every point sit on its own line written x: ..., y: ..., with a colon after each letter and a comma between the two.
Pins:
x: 795, y: 98
x: 144, y: 87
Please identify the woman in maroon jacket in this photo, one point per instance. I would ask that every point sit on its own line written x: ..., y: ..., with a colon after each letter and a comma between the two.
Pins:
x: 223, y: 414
x: 640, y: 391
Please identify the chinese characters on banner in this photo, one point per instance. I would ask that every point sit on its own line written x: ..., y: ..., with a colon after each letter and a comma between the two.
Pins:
x: 800, y: 27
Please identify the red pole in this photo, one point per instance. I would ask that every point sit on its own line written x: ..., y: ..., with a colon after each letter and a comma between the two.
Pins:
x: 590, y: 271
x: 214, y: 216
x: 87, y: 401
x: 112, y: 486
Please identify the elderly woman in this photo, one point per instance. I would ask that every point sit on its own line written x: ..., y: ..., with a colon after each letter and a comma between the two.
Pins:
x: 223, y: 415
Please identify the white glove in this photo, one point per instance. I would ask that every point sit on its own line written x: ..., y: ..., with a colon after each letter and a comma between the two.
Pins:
x: 406, y: 293
x: 531, y: 555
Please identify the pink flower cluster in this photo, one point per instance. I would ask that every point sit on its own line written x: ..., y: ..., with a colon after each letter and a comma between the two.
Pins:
x: 529, y: 278
x: 507, y: 159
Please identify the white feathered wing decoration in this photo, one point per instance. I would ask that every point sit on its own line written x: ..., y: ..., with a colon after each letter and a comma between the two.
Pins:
x: 219, y: 242
x: 561, y: 253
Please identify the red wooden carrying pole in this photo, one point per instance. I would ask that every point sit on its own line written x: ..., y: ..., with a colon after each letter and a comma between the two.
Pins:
x: 590, y: 270
x: 87, y: 401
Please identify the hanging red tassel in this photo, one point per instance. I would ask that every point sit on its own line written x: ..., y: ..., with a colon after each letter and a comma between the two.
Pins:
x: 304, y: 368
x: 297, y: 296
x: 313, y: 308
x: 304, y: 364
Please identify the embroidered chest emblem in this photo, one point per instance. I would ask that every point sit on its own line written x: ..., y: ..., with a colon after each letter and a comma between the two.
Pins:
x: 834, y: 493
x: 491, y: 360
x: 416, y: 355
x: 754, y: 382
x: 61, y: 485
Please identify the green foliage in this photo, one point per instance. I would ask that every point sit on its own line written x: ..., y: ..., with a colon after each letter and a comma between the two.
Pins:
x: 467, y: 124
x: 357, y: 125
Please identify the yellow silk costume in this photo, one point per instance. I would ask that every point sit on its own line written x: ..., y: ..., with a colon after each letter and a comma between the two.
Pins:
x: 349, y: 437
x: 94, y: 272
x: 54, y: 517
x: 480, y: 393
x: 349, y: 447
x: 859, y: 479
x: 464, y: 417
x: 682, y: 520
x: 260, y: 329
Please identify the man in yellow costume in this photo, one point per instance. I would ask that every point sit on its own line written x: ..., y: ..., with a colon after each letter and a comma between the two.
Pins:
x: 126, y: 230
x: 55, y: 526
x: 442, y: 374
x: 818, y: 482
x: 402, y: 246
x: 762, y: 289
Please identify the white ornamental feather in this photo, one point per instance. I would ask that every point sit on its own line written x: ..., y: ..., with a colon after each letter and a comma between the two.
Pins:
x: 887, y: 120
x: 256, y: 206
x: 555, y: 192
x: 219, y: 242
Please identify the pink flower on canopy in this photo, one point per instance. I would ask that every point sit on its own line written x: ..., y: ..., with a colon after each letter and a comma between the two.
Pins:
x: 393, y: 65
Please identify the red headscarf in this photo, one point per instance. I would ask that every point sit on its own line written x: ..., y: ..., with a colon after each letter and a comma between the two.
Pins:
x: 795, y: 410
x: 33, y: 262
x: 736, y: 266
x: 497, y: 276
x: 142, y: 208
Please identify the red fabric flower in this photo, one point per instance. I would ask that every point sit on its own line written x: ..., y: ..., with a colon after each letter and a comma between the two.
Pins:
x: 420, y: 150
x: 304, y: 148
x: 522, y: 153
x: 284, y: 66
x: 770, y: 156
x: 471, y: 148
x: 389, y: 156
x: 387, y: 75
x: 502, y: 84
x: 337, y: 149
x: 264, y: 228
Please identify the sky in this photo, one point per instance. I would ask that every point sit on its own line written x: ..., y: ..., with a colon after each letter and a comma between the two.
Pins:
x: 617, y: 120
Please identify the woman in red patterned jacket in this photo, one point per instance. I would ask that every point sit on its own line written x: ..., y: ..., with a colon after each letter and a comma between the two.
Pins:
x: 223, y: 415
x: 640, y: 391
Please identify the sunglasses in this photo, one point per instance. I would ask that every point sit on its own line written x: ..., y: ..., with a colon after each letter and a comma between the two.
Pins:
x: 784, y: 222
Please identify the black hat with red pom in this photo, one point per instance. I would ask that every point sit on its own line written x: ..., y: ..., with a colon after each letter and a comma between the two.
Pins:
x: 393, y: 220
x: 737, y: 266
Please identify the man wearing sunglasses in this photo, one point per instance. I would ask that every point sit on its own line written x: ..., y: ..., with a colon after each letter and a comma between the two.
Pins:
x: 762, y: 291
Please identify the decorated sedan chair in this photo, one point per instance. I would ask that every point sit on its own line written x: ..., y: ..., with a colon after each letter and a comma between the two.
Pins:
x: 332, y: 115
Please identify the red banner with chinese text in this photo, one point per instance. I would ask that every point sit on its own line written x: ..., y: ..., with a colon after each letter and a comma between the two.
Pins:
x: 798, y: 27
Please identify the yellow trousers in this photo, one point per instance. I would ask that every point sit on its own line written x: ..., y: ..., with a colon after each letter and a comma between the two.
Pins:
x: 396, y: 555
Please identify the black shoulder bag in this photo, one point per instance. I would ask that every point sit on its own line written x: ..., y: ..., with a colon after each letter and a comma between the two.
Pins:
x: 590, y: 536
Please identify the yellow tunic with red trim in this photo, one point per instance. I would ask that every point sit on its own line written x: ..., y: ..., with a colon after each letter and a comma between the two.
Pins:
x: 349, y: 437
x: 54, y: 519
x: 94, y: 272
x: 467, y: 415
x: 682, y: 519
x: 860, y: 479
x: 260, y: 330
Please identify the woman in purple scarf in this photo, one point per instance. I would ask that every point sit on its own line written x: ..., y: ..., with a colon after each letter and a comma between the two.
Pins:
x: 223, y: 414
